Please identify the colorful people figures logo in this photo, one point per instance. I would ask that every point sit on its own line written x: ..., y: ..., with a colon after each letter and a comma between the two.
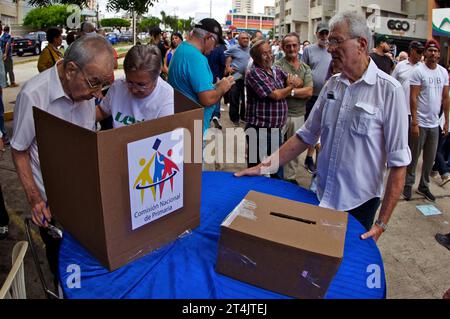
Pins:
x: 164, y: 169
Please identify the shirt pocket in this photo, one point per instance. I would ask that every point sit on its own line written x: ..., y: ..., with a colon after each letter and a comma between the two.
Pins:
x: 364, y: 118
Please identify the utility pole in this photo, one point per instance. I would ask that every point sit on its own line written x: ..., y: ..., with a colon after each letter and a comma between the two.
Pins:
x: 210, y: 8
x: 134, y: 27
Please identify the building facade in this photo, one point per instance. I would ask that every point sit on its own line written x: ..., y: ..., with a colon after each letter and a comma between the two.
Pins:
x: 249, y: 22
x: 243, y: 6
x: 13, y: 12
x: 403, y: 20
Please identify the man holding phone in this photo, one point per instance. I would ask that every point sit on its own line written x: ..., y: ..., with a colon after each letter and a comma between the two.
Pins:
x: 236, y: 65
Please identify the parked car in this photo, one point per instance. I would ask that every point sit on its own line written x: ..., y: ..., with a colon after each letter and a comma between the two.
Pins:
x: 112, y: 38
x: 126, y: 36
x: 143, y: 35
x: 31, y: 43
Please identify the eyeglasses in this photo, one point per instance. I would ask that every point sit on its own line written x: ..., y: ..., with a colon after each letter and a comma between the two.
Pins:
x: 91, y: 86
x: 338, y: 42
x: 140, y: 87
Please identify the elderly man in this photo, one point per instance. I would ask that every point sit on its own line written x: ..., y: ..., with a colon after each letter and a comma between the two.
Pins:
x: 318, y: 58
x: 190, y: 73
x: 362, y: 121
x: 236, y: 65
x: 296, y: 101
x: 66, y: 90
x: 429, y: 91
x: 267, y: 90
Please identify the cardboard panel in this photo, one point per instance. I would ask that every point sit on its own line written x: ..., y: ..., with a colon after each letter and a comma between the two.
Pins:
x: 69, y: 164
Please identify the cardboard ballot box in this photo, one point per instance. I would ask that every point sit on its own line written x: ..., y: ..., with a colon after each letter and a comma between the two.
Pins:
x: 124, y: 192
x: 282, y: 245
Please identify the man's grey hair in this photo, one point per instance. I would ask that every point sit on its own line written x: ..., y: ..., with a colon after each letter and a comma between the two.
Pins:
x: 255, y: 51
x: 199, y: 33
x: 244, y: 33
x: 291, y: 34
x: 86, y: 49
x: 87, y: 27
x: 144, y: 58
x: 357, y: 26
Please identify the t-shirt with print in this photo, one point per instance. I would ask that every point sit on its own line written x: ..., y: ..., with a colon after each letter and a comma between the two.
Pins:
x: 190, y: 74
x: 402, y: 73
x: 127, y: 109
x: 429, y: 101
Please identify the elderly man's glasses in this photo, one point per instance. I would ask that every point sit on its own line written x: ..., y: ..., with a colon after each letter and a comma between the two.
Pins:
x: 92, y: 86
x: 337, y: 42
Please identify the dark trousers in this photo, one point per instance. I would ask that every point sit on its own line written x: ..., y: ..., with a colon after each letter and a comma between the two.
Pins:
x: 443, y: 151
x: 106, y: 124
x: 261, y: 143
x: 237, y: 101
x: 51, y: 249
x: 309, y: 106
x: 365, y: 213
x: 2, y: 114
x: 9, y: 70
x: 4, y: 218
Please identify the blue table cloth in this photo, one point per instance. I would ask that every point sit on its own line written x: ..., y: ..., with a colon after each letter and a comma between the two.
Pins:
x: 185, y: 267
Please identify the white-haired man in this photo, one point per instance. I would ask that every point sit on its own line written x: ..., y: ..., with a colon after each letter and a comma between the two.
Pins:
x: 362, y: 121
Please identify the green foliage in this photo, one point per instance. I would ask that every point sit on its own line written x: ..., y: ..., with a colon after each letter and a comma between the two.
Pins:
x: 45, y: 17
x: 46, y: 3
x: 115, y: 22
x: 147, y: 23
x: 139, y: 6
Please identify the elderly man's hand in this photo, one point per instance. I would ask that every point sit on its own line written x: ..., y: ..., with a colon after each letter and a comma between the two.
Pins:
x: 40, y: 213
x: 297, y: 82
x: 375, y: 232
x: 226, y: 83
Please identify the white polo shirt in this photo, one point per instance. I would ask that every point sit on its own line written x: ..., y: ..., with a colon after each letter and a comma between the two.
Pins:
x: 429, y: 101
x: 363, y: 128
x: 127, y: 109
x: 402, y: 73
x: 45, y: 91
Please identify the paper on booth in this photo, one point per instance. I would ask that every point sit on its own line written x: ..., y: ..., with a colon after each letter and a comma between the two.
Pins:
x: 155, y: 170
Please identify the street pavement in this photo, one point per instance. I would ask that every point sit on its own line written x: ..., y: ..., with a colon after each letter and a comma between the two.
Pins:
x: 416, y: 265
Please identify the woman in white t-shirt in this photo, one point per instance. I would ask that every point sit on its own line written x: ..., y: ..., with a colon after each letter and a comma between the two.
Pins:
x: 142, y: 95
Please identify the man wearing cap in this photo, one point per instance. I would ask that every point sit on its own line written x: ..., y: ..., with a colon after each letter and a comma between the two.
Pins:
x: 318, y: 58
x: 383, y: 62
x: 156, y: 39
x: 403, y: 70
x: 429, y: 90
x: 190, y: 73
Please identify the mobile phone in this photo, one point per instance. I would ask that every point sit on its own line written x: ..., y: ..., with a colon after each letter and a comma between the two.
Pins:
x: 237, y: 76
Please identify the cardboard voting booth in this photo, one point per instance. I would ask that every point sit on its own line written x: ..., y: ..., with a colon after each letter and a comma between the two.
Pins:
x: 125, y: 192
x: 282, y: 245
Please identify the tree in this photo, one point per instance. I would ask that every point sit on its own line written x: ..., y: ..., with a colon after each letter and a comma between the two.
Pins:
x: 115, y: 22
x: 148, y: 22
x: 42, y: 18
x: 46, y: 3
x: 164, y: 18
x: 138, y: 6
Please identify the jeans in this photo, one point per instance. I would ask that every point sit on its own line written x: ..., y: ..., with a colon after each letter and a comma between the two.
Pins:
x: 442, y: 154
x: 237, y: 98
x: 365, y: 213
x: 2, y: 114
x: 309, y: 106
x: 261, y: 143
x: 9, y: 70
x: 216, y: 112
x: 4, y: 218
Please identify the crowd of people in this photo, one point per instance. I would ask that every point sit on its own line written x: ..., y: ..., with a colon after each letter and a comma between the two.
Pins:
x: 351, y: 108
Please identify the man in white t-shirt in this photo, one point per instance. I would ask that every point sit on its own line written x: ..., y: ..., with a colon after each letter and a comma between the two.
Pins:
x: 403, y: 70
x: 429, y: 90
x: 142, y: 95
x: 67, y: 90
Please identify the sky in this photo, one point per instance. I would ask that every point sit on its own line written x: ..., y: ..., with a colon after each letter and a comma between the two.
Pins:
x: 188, y: 8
